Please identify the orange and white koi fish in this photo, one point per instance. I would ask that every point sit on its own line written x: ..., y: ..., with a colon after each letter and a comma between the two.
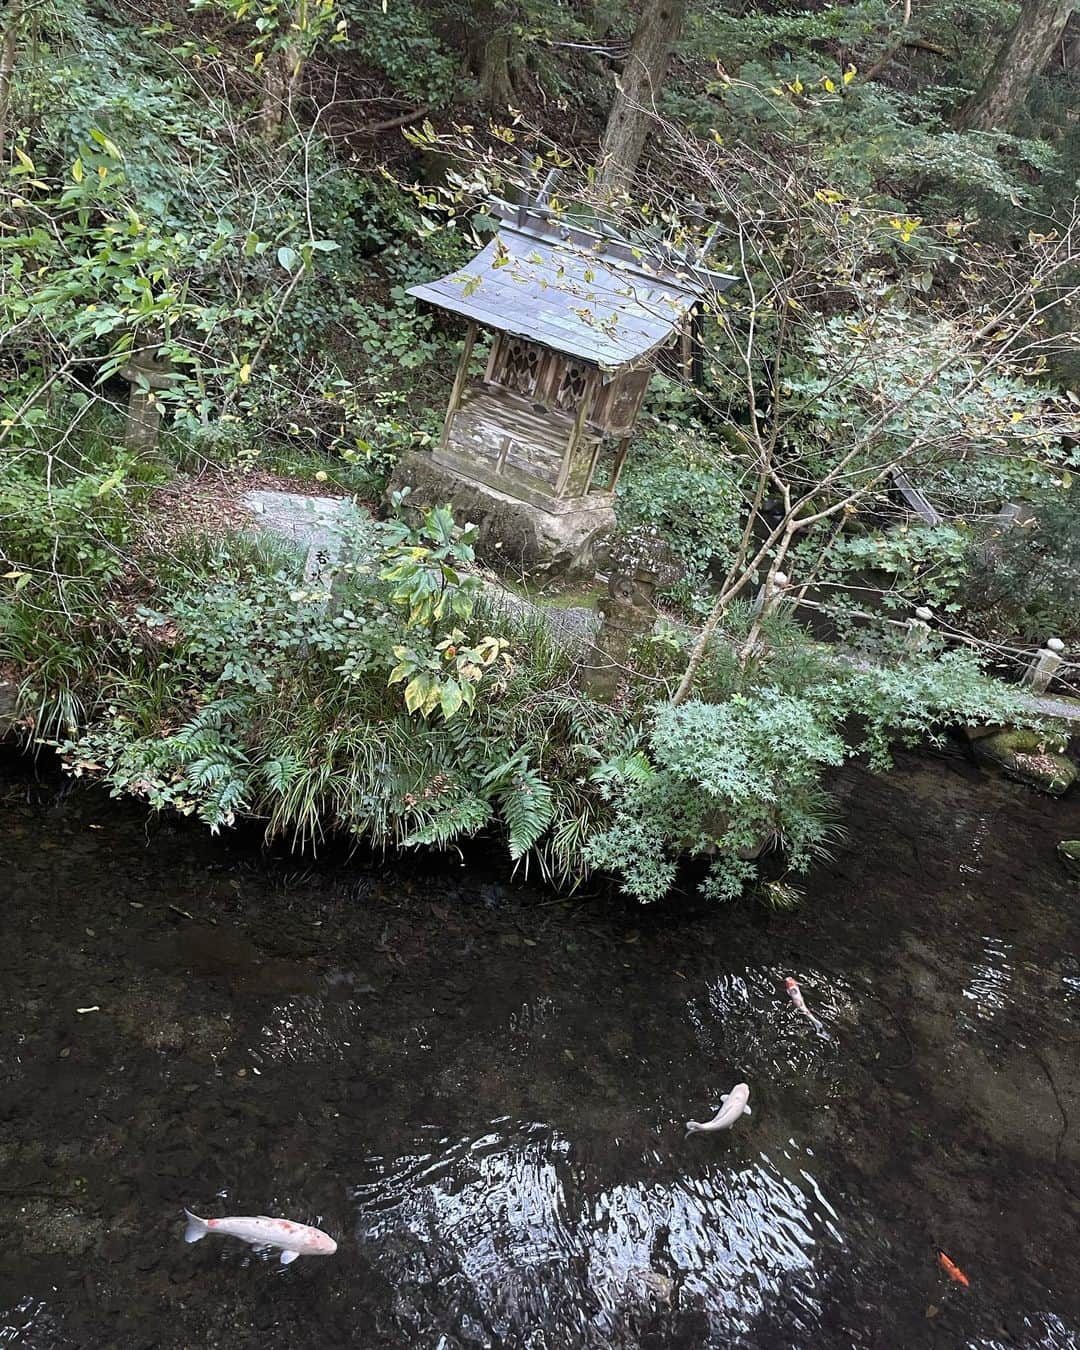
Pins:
x: 953, y: 1270
x: 795, y: 993
x: 294, y: 1239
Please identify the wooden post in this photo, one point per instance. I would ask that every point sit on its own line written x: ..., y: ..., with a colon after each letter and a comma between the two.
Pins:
x: 493, y: 357
x: 459, y: 382
x: 592, y: 465
x: 620, y: 460
x: 575, y: 433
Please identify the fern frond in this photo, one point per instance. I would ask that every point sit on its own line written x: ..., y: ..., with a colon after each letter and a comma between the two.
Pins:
x: 527, y: 810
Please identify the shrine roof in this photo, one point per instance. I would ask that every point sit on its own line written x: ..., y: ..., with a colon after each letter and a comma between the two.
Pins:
x: 573, y: 290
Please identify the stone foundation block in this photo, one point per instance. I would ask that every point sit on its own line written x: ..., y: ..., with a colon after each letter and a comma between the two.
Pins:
x: 513, y: 534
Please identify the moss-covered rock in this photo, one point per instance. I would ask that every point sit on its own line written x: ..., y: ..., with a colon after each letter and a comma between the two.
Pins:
x: 1028, y: 757
x: 1069, y: 853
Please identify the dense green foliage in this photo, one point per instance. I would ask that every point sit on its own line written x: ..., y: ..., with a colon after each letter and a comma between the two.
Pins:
x: 242, y: 190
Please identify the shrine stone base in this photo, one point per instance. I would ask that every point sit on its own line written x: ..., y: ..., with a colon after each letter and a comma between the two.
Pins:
x: 513, y: 534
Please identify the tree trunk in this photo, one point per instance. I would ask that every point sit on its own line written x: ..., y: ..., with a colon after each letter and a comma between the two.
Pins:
x: 274, y: 95
x: 496, y: 84
x: 492, y: 55
x: 7, y: 71
x: 638, y: 93
x: 1026, y: 51
x: 281, y: 83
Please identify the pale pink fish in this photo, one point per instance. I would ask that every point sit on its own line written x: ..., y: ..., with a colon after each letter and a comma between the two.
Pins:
x: 294, y: 1239
x: 792, y: 986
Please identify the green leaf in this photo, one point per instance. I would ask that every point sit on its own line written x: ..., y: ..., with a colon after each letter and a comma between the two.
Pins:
x: 450, y: 698
x: 288, y: 258
x: 527, y: 808
x: 110, y: 147
x: 417, y: 692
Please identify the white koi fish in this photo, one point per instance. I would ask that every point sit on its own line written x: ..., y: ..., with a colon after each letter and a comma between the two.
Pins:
x: 792, y: 986
x: 294, y: 1239
x: 734, y: 1106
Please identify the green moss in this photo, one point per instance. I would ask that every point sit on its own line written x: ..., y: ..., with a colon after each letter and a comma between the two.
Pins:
x: 1029, y: 757
x: 1069, y: 853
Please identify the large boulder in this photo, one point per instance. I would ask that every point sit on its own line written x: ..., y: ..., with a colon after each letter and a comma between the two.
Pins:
x: 1028, y: 757
x: 1069, y: 853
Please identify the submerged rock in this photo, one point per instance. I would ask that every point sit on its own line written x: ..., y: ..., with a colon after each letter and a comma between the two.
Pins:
x: 1069, y: 853
x: 1024, y: 755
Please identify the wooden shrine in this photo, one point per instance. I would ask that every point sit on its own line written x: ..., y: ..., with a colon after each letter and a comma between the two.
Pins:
x: 534, y: 447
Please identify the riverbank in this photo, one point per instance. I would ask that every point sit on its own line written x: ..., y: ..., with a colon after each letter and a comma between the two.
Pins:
x: 479, y: 1088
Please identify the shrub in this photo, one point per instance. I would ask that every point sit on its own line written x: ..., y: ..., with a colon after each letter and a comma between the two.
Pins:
x: 678, y: 482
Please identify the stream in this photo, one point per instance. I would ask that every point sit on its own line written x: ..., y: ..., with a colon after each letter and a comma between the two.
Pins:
x: 480, y: 1090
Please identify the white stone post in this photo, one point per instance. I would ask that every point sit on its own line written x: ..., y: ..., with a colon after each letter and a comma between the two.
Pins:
x: 1045, y: 666
x: 767, y: 597
x: 918, y: 630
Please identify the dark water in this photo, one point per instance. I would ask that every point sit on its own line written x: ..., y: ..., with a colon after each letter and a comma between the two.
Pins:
x: 480, y: 1092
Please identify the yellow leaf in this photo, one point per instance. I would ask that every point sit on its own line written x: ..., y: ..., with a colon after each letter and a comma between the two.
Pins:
x: 25, y: 160
x: 258, y: 60
x: 1016, y: 417
x: 829, y: 85
x: 850, y: 74
x: 245, y: 372
x: 796, y: 85
x: 77, y: 170
x: 12, y: 576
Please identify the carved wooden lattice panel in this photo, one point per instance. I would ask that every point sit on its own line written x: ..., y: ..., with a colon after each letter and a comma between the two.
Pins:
x: 521, y: 366
x: 570, y: 390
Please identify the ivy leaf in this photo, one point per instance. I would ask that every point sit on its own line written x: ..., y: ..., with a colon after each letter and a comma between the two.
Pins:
x: 288, y: 257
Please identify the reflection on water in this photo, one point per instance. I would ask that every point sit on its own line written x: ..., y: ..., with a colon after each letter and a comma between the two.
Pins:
x: 509, y: 1221
x: 29, y: 1322
x: 741, y: 1013
x: 1041, y: 1331
x: 976, y: 836
x: 307, y: 1030
x: 989, y: 984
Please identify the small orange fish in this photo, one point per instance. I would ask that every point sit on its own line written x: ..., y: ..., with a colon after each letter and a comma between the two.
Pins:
x: 953, y: 1270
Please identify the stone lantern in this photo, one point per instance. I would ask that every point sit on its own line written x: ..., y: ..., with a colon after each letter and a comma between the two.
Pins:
x: 148, y: 373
